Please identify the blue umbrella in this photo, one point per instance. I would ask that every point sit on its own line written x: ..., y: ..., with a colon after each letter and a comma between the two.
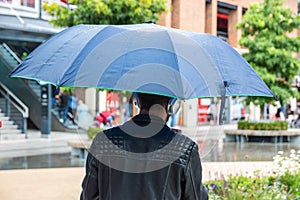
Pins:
x: 145, y: 58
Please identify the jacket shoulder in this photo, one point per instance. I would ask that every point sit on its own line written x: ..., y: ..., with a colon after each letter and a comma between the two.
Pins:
x: 185, y: 146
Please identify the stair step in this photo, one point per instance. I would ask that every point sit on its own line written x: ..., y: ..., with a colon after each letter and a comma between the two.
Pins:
x: 4, y: 118
x: 12, y: 136
x: 9, y: 126
x: 7, y: 123
x: 9, y: 131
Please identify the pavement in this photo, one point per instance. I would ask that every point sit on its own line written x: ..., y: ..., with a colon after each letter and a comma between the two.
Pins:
x: 45, y: 184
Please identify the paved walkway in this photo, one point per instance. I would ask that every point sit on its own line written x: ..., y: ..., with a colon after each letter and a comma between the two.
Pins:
x: 45, y: 184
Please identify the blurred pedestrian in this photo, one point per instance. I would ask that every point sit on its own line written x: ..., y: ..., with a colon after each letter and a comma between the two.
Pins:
x: 85, y: 119
x: 63, y: 106
x: 279, y: 115
x: 72, y: 108
x: 125, y: 109
x: 54, y: 95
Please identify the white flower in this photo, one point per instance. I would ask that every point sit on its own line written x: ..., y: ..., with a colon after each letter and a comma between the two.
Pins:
x: 293, y: 151
x: 292, y: 155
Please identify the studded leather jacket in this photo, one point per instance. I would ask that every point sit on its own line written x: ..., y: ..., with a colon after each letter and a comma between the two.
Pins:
x: 130, y: 163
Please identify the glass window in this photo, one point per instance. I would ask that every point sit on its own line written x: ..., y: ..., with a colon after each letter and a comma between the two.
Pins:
x: 28, y: 3
x: 222, y: 26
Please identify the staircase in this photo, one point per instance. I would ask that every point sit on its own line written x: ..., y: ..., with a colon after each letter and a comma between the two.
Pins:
x: 9, y: 130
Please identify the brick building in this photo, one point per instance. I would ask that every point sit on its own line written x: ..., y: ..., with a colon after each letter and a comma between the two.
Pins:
x: 217, y: 17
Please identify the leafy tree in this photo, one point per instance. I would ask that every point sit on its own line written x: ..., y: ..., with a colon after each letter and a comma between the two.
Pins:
x: 266, y: 29
x: 105, y: 12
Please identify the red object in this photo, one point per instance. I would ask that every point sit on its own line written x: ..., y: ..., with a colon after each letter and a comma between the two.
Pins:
x: 112, y: 102
x: 102, y: 117
x: 222, y: 16
x: 202, y: 112
x: 105, y: 114
x: 243, y: 112
x: 99, y: 118
x: 0, y: 123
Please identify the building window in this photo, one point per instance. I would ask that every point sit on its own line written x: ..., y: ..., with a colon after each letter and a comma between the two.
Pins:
x: 28, y: 3
x: 222, y: 26
x: 24, y: 3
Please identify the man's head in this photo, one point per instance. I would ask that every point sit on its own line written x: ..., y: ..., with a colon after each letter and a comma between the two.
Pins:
x: 157, y: 105
x: 146, y: 101
x: 154, y: 105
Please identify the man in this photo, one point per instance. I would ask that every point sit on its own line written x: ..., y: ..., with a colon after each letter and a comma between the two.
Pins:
x: 144, y: 159
x: 63, y: 106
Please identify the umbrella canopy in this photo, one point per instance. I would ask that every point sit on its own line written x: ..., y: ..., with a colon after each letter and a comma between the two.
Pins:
x: 144, y: 58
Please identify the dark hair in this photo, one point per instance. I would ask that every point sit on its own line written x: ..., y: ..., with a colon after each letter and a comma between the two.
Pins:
x: 148, y: 100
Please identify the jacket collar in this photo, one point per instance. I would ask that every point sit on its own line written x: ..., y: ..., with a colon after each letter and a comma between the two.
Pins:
x: 147, y: 119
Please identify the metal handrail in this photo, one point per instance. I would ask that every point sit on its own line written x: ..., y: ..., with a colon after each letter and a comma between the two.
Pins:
x: 17, y: 103
x: 11, y: 52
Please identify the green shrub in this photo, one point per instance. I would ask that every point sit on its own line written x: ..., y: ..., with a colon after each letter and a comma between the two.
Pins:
x: 92, y: 132
x: 292, y: 183
x: 250, y: 188
x: 283, y: 183
x: 274, y: 125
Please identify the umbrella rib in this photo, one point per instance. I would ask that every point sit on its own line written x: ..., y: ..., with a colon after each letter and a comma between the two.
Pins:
x: 167, y: 32
x: 103, y: 27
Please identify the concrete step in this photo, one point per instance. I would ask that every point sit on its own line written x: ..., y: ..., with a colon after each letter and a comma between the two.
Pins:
x: 6, y: 121
x: 10, y: 131
x: 3, y: 117
x: 13, y: 135
x: 15, y: 115
x: 8, y: 125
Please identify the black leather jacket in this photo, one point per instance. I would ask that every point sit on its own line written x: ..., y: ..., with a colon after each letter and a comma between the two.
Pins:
x: 164, y: 166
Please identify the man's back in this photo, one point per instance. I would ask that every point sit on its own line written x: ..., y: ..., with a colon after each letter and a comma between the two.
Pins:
x: 164, y: 165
